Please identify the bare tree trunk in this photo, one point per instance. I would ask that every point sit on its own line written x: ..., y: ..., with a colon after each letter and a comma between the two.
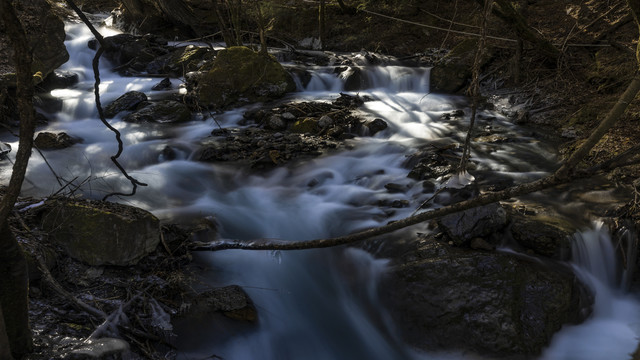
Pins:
x: 321, y: 23
x: 5, y: 349
x: 227, y: 34
x: 14, y: 281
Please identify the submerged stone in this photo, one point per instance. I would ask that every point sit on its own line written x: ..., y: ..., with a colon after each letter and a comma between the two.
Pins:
x: 100, y: 232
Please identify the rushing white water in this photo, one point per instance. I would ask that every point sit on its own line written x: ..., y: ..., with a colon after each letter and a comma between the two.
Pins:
x: 315, y: 304
x: 613, y: 330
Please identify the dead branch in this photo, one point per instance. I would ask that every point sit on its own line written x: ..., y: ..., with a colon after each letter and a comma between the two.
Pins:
x: 96, y: 71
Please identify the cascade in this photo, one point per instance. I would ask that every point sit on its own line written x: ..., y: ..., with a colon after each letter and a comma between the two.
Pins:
x: 307, y: 307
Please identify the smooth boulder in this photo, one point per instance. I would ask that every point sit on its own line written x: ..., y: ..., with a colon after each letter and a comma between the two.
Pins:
x: 101, y: 233
x: 239, y: 74
x: 492, y: 303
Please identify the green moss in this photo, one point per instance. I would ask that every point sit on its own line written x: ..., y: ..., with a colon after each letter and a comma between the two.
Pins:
x: 306, y: 125
x: 239, y: 72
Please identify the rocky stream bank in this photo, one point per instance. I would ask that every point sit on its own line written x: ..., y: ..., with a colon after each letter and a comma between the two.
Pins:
x: 481, y: 300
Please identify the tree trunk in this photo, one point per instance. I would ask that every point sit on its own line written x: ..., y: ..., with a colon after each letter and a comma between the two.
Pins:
x: 5, y: 349
x: 321, y: 23
x: 14, y: 288
x: 14, y: 279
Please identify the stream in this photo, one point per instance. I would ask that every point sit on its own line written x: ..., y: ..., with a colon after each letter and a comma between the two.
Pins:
x: 307, y: 307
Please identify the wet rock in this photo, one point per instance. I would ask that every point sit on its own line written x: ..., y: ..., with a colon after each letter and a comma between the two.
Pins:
x: 546, y: 236
x: 45, y: 33
x: 260, y: 148
x: 325, y: 121
x: 128, y: 101
x: 59, y: 79
x: 354, y: 79
x: 375, y: 126
x: 5, y: 149
x: 164, y: 84
x: 232, y: 301
x: 132, y: 53
x: 103, y: 348
x: 492, y: 303
x: 432, y: 162
x: 481, y: 244
x: 241, y: 73
x: 46, y: 140
x: 288, y: 116
x: 476, y: 222
x: 163, y: 112
x: 275, y: 122
x: 396, y: 188
x: 101, y: 233
x: 180, y: 61
x: 306, y: 125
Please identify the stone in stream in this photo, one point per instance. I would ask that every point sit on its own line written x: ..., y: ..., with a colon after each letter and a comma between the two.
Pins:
x: 492, y: 303
x: 163, y: 112
x: 127, y: 101
x: 46, y: 140
x: 239, y: 74
x: 100, y: 232
x: 164, y: 84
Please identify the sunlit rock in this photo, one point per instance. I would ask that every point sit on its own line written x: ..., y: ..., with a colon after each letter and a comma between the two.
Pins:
x: 127, y: 101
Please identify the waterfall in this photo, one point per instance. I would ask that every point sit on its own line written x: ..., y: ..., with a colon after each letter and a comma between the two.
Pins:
x: 613, y: 329
x: 314, y: 304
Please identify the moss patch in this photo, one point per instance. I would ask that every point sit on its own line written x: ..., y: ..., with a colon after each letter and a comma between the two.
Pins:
x: 239, y: 72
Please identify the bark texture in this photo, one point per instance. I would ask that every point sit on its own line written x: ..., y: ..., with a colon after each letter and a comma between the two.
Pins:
x: 14, y: 280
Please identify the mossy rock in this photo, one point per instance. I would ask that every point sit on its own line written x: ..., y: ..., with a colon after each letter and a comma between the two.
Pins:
x: 102, y: 233
x: 241, y: 73
x: 306, y: 125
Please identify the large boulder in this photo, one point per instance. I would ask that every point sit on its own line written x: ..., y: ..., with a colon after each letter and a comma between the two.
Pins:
x: 492, y: 303
x: 100, y: 232
x: 46, y: 35
x: 241, y: 73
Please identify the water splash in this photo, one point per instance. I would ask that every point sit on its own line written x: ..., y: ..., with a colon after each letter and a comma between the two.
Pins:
x: 613, y: 329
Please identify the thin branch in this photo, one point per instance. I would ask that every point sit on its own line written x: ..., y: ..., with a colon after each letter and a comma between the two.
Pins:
x: 96, y: 71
